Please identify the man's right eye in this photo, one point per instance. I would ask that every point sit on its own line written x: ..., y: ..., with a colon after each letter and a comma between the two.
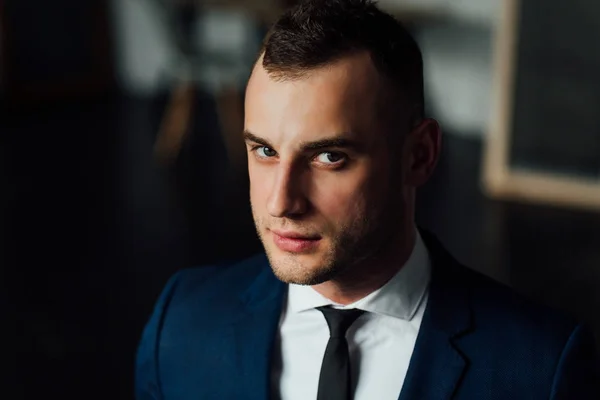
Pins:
x: 265, y: 152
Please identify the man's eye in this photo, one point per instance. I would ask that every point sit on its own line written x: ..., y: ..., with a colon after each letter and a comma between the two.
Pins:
x: 329, y: 157
x: 265, y: 152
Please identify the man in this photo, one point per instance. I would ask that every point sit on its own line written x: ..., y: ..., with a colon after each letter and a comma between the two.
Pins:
x: 351, y: 300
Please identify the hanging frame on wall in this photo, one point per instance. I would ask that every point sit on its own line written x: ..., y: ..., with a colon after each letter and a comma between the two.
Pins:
x: 544, y: 140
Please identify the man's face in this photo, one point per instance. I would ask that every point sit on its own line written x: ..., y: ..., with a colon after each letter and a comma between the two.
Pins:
x: 320, y: 169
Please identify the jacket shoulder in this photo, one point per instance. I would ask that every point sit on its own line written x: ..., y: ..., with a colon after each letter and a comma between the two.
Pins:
x: 519, y: 334
x: 496, y: 301
x: 520, y: 345
x: 494, y: 306
x: 193, y: 305
x: 210, y: 281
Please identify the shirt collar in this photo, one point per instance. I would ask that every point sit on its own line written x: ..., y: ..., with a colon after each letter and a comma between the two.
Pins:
x: 399, y: 297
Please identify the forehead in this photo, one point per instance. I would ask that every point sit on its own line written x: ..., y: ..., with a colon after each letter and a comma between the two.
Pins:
x: 341, y: 97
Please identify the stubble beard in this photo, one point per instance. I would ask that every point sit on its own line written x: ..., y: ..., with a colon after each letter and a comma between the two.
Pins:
x: 360, y: 242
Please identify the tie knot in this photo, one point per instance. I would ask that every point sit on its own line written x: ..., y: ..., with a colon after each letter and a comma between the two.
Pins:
x: 339, y: 320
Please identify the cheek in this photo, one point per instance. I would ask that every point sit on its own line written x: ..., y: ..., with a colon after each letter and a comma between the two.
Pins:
x: 258, y: 185
x: 340, y: 198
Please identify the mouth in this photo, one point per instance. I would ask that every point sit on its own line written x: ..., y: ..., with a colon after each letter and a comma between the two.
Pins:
x: 295, y: 242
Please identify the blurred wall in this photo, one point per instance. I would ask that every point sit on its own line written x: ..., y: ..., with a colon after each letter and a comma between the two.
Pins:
x: 224, y: 43
x: 143, y: 48
x: 458, y: 52
x: 458, y: 76
x: 457, y: 49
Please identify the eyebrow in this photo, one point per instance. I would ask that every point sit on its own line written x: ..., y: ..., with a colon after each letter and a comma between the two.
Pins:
x: 338, y: 142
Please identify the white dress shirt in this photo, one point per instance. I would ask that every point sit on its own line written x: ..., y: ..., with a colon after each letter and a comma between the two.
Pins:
x: 380, y: 342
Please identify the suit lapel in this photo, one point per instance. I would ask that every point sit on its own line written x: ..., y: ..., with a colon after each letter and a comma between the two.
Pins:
x: 438, y: 364
x: 254, y: 333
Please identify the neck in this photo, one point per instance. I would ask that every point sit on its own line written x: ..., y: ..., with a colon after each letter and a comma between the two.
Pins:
x: 367, y: 276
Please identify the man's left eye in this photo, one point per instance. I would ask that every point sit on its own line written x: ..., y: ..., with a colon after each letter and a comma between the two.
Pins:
x: 329, y: 157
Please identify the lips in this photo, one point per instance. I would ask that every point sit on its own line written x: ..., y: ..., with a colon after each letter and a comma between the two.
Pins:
x: 294, y: 242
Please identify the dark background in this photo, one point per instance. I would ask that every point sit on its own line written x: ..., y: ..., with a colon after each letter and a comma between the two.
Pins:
x: 92, y: 226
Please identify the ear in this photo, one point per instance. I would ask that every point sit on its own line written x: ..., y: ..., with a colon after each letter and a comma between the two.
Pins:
x: 423, y: 146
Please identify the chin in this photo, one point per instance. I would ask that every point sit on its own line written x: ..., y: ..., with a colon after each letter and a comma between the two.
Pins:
x: 300, y: 269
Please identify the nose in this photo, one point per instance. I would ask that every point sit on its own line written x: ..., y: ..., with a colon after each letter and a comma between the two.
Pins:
x: 287, y: 197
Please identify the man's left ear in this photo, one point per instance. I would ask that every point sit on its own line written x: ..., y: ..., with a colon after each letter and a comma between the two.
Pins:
x: 423, y: 145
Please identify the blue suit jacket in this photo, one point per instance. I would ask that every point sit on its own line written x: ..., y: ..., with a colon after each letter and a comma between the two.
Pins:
x: 211, y: 335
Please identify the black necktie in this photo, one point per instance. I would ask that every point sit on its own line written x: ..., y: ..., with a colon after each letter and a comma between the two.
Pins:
x: 334, y: 381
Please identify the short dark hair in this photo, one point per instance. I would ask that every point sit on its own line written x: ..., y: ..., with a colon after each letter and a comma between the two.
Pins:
x: 315, y: 33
